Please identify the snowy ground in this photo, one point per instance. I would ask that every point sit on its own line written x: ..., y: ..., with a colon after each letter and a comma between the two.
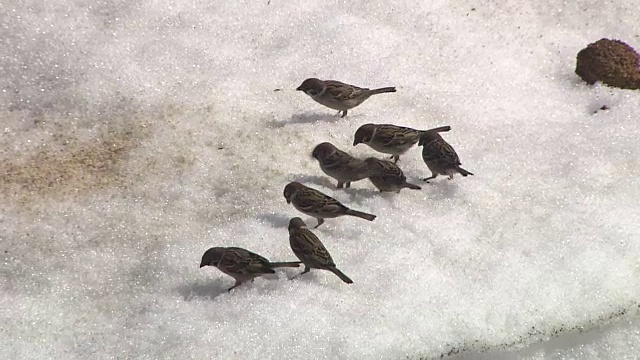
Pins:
x: 137, y: 134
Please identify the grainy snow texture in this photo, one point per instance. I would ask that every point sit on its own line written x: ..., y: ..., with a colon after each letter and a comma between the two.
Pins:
x: 135, y: 135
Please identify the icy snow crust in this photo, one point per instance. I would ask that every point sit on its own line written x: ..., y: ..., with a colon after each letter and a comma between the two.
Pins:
x: 137, y: 134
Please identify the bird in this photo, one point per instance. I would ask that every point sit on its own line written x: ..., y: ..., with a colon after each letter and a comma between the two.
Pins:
x: 340, y: 165
x: 243, y: 265
x: 310, y: 250
x: 388, y: 176
x: 391, y: 139
x: 440, y: 157
x: 314, y: 203
x: 338, y: 95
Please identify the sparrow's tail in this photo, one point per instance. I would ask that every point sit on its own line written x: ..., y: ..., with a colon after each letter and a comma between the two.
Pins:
x: 360, y: 214
x: 438, y: 129
x: 383, y: 90
x: 285, y: 264
x: 341, y: 275
x: 464, y: 172
x: 411, y: 186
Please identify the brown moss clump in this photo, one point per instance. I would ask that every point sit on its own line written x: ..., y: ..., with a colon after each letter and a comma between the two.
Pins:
x: 611, y: 61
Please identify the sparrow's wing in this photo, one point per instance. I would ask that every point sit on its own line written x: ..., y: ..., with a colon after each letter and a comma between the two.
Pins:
x: 331, y: 205
x: 391, y: 169
x: 309, y: 248
x: 259, y: 265
x: 388, y: 170
x: 341, y: 91
x: 243, y: 261
x: 440, y: 150
x: 312, y: 200
x: 393, y: 136
x: 341, y: 160
x: 377, y: 166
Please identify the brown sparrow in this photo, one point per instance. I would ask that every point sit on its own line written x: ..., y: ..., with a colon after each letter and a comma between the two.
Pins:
x: 243, y: 265
x: 338, y: 95
x: 391, y: 139
x: 309, y: 249
x: 440, y: 157
x: 387, y: 176
x: 314, y: 203
x: 339, y: 165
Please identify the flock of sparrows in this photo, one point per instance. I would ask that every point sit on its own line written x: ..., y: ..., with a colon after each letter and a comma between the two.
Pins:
x: 244, y: 265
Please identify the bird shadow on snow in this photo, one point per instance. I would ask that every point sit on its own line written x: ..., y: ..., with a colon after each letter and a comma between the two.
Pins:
x: 304, y: 118
x: 309, y: 277
x: 358, y: 195
x: 277, y: 220
x: 210, y: 289
x: 439, y: 188
x: 316, y: 180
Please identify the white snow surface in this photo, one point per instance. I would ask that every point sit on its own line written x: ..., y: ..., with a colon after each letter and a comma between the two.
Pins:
x: 135, y: 135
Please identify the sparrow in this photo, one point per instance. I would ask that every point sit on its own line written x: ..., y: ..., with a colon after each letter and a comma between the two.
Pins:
x: 340, y: 165
x: 440, y: 157
x: 391, y: 139
x: 388, y: 176
x: 338, y: 95
x: 314, y: 203
x: 309, y: 249
x: 243, y: 265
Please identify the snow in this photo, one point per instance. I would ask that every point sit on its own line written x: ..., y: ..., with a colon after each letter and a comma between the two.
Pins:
x: 136, y: 135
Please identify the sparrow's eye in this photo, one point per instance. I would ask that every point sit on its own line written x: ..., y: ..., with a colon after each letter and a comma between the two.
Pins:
x: 311, y: 92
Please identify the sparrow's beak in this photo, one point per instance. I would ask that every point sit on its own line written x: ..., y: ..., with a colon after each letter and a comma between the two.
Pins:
x: 202, y: 265
x: 355, y: 142
x: 288, y: 201
x: 299, y: 88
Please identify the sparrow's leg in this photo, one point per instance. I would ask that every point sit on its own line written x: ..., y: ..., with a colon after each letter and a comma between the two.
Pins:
x: 238, y: 283
x: 344, y: 113
x: 433, y: 176
x: 306, y: 270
